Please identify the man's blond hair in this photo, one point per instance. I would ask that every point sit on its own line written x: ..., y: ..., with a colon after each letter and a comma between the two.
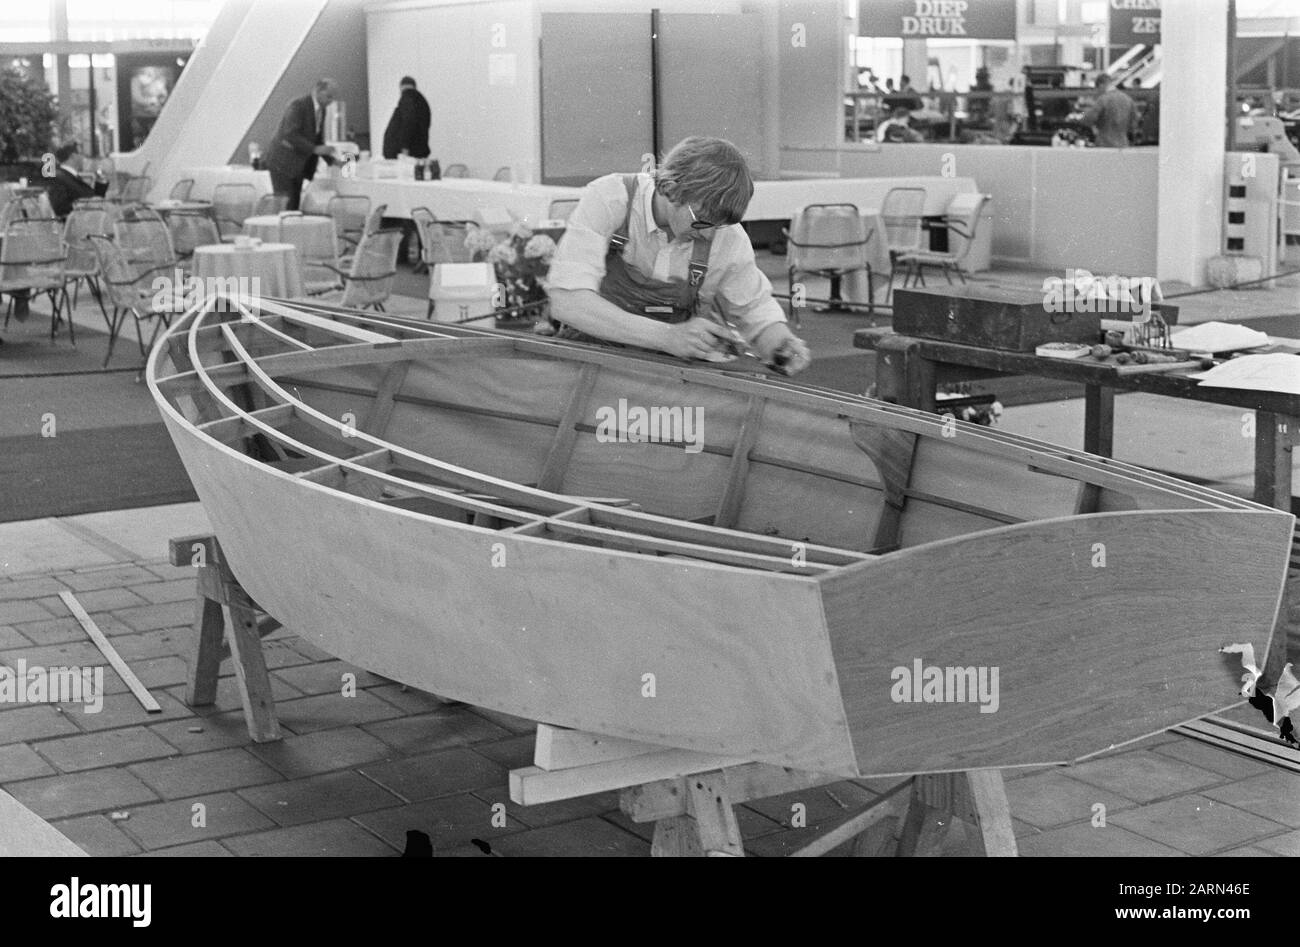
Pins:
x: 709, y: 171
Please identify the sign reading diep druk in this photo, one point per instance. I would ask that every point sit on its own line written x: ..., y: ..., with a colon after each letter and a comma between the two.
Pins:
x: 920, y: 19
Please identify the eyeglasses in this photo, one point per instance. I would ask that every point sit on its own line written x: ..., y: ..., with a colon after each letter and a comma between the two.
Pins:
x: 696, y: 223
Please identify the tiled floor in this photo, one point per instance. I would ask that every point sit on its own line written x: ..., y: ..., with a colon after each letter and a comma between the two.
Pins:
x: 354, y: 773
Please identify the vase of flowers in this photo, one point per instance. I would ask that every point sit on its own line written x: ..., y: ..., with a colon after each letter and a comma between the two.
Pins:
x: 521, y: 262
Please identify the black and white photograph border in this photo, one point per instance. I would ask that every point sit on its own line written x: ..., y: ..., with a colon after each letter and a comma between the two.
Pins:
x: 433, y: 352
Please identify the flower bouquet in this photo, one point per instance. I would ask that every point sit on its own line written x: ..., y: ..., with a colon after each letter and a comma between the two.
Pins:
x: 521, y: 262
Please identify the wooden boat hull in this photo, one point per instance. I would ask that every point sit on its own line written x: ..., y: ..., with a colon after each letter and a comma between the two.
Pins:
x: 1103, y: 627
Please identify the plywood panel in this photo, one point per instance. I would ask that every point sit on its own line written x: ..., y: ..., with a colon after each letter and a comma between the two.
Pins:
x: 803, y: 507
x: 1001, y: 484
x: 559, y: 634
x: 1088, y: 656
x: 596, y: 108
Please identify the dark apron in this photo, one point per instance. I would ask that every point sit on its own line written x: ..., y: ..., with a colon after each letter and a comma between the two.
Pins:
x: 626, y: 287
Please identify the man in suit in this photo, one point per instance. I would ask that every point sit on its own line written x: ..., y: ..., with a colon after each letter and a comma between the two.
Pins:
x: 299, y: 141
x: 66, y: 186
x: 408, y: 130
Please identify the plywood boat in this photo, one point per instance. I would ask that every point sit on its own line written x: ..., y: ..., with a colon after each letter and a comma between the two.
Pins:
x: 464, y: 511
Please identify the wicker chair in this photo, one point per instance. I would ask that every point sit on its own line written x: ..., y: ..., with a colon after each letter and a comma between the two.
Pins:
x: 145, y: 240
x: 82, y: 265
x: 369, y: 281
x: 138, y: 188
x: 190, y: 230
x: 32, y: 260
x: 318, y: 254
x: 129, y: 287
x: 350, y: 213
x: 231, y: 205
x: 270, y: 204
x: 440, y: 241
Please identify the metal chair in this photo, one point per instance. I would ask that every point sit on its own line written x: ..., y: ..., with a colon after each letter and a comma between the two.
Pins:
x: 902, y: 211
x: 137, y: 188
x: 32, y: 260
x: 317, y: 252
x: 962, y: 220
x: 82, y: 264
x: 29, y: 205
x: 560, y: 210
x: 181, y: 190
x: 270, y: 204
x: 145, y: 240
x: 130, y: 288
x: 828, y: 240
x: 231, y: 205
x: 441, y: 241
x: 456, y: 171
x: 190, y: 230
x: 369, y: 281
x: 349, y: 212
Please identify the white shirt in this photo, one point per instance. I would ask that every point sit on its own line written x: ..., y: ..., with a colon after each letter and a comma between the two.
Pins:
x: 733, y: 282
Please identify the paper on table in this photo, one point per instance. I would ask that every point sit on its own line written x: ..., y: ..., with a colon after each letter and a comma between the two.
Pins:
x: 465, y: 274
x: 1276, y: 372
x: 1217, y: 337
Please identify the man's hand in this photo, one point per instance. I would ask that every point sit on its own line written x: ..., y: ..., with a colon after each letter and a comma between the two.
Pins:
x: 696, y: 338
x: 782, y: 350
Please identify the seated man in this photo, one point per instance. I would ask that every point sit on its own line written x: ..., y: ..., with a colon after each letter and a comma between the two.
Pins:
x: 646, y: 257
x: 898, y: 127
x: 67, y: 187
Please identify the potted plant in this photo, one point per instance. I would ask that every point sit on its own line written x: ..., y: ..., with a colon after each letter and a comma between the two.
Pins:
x: 28, y: 116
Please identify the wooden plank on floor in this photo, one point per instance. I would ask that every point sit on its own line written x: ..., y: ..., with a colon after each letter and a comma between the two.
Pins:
x: 121, y: 667
x: 24, y: 834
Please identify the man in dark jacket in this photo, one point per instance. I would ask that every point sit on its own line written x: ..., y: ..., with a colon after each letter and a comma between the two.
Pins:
x: 67, y: 187
x: 408, y: 130
x: 299, y: 141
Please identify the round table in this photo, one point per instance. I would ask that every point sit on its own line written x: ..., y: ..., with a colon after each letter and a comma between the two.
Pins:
x: 163, y: 208
x: 312, y: 234
x: 275, y: 266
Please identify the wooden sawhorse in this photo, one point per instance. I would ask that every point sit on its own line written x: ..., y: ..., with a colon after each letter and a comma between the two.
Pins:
x: 691, y: 797
x: 218, y: 588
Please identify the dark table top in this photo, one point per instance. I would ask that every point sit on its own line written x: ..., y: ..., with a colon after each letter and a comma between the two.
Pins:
x: 1173, y: 384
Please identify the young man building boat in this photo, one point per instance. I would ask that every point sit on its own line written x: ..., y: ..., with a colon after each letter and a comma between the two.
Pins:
x: 648, y: 258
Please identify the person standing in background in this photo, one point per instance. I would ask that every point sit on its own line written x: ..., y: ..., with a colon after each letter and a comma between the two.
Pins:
x: 408, y: 130
x: 299, y: 141
x: 1111, y: 116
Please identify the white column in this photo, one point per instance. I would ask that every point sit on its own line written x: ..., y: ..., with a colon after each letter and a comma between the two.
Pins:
x: 1192, y: 94
x: 916, y: 60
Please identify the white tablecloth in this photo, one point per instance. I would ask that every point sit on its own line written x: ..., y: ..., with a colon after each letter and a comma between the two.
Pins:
x: 274, y: 266
x: 461, y: 198
x: 780, y: 200
x: 206, y: 179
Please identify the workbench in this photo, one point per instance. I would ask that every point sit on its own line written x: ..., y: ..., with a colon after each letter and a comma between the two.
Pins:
x: 908, y: 370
